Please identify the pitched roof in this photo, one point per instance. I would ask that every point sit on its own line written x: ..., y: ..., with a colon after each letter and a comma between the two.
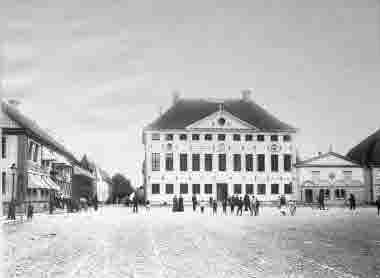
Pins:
x: 315, y: 158
x: 367, y: 152
x: 187, y: 111
x: 35, y: 130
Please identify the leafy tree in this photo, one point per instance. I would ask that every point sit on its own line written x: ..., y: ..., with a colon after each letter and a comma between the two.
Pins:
x: 121, y: 186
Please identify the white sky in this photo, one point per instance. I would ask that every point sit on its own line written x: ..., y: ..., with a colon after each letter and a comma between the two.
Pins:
x: 96, y: 72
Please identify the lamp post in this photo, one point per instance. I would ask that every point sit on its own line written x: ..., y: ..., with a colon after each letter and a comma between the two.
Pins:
x: 12, y: 207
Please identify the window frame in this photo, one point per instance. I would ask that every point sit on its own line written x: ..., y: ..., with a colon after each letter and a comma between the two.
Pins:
x: 287, y: 162
x: 274, y: 138
x: 183, y: 186
x: 169, y: 161
x: 208, y: 157
x: 208, y: 137
x: 196, y: 157
x: 183, y: 137
x: 155, y: 163
x: 155, y: 188
x: 274, y: 162
x: 260, y: 169
x: 260, y: 138
x: 236, y: 158
x: 249, y: 186
x: 208, y: 188
x: 4, y: 147
x: 249, y: 162
x: 236, y: 137
x: 274, y: 186
x: 237, y: 188
x: 221, y: 137
x: 183, y: 163
x: 248, y: 137
x: 287, y: 186
x: 169, y: 137
x: 222, y: 157
x: 155, y: 136
x: 169, y: 186
x: 196, y: 186
x: 195, y: 137
x: 261, y: 186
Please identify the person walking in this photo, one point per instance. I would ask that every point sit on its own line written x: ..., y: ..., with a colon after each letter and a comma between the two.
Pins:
x: 214, y: 207
x: 202, y: 205
x: 283, y: 205
x: 351, y: 202
x: 240, y: 206
x: 30, y: 209
x: 246, y: 202
x: 95, y: 201
x: 253, y: 205
x: 180, y: 203
x: 257, y: 206
x: 194, y: 200
x: 378, y: 205
x: 321, y: 200
x: 224, y: 206
x: 175, y: 204
x: 232, y: 204
x: 135, y: 204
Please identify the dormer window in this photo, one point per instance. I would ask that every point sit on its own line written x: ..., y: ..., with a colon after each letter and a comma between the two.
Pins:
x: 221, y: 121
x: 236, y: 137
x: 169, y: 137
x: 183, y: 137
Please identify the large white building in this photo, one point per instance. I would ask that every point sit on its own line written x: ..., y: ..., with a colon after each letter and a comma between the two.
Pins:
x: 218, y: 149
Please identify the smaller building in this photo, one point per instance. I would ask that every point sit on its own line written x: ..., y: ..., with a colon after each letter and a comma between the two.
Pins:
x: 333, y: 175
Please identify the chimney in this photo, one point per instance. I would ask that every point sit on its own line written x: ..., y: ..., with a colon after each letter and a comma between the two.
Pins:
x: 246, y: 95
x: 176, y: 96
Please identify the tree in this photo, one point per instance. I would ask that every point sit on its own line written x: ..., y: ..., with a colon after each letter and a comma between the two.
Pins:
x: 121, y: 186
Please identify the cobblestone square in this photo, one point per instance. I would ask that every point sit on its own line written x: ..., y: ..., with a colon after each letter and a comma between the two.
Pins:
x: 113, y: 242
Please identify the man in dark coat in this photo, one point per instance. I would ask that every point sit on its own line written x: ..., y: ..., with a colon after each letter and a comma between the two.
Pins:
x: 246, y: 202
x: 378, y: 205
x: 180, y: 203
x: 231, y: 203
x: 351, y: 200
x: 175, y: 203
x: 194, y: 200
x: 135, y: 204
x: 214, y: 207
x: 30, y: 209
x: 240, y: 205
x: 224, y: 205
x: 321, y: 200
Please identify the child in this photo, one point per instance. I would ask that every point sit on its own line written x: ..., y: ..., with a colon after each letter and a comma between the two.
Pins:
x: 147, y: 205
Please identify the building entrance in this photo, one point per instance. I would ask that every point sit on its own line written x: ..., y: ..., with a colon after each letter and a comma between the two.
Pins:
x: 221, y: 191
x: 308, y: 195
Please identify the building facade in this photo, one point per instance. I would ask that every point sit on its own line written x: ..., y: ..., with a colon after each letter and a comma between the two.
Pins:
x: 218, y: 149
x: 333, y: 176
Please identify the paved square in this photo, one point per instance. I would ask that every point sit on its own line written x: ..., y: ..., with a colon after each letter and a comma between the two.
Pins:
x: 113, y: 242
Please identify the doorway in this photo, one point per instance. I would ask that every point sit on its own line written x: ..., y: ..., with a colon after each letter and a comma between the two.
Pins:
x: 308, y: 195
x: 221, y: 191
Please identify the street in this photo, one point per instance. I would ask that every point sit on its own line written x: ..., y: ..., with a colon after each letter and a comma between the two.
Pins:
x: 113, y: 242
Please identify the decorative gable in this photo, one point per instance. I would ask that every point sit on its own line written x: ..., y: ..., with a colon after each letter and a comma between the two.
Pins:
x: 330, y: 159
x: 221, y: 120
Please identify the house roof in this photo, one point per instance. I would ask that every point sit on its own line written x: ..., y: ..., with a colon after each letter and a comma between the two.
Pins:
x: 367, y: 152
x: 187, y: 111
x: 315, y: 158
x: 34, y: 130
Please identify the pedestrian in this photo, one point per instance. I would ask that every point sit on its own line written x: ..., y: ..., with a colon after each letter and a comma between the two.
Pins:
x: 378, y: 205
x: 30, y: 209
x: 240, y: 206
x: 194, y: 200
x: 283, y: 205
x: 246, y: 202
x: 210, y: 202
x: 292, y: 207
x: 214, y: 207
x: 257, y: 206
x: 135, y: 204
x: 232, y: 204
x: 180, y: 203
x: 95, y: 201
x: 147, y: 205
x: 224, y: 206
x: 253, y: 205
x: 175, y: 203
x: 202, y: 204
x: 321, y: 200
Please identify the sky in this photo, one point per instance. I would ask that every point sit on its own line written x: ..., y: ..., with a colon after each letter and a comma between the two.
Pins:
x: 96, y: 72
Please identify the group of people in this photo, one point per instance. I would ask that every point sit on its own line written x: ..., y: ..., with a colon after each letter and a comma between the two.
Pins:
x: 178, y: 203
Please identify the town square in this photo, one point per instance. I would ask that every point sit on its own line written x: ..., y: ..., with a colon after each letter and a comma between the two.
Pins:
x: 190, y: 138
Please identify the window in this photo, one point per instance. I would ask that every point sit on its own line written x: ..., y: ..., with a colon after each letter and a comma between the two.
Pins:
x: 208, y: 188
x: 274, y: 188
x: 3, y: 182
x: 221, y: 137
x: 274, y: 138
x: 169, y: 165
x: 169, y: 188
x: 236, y: 137
x: 155, y: 188
x: 249, y: 162
x: 287, y: 162
x: 237, y: 162
x: 183, y: 188
x: 183, y: 137
x: 155, y: 162
x: 183, y: 162
x: 340, y: 193
x: 208, y: 162
x: 288, y: 188
x: 261, y: 189
x: 196, y: 188
x: 30, y: 150
x: 260, y: 138
x: 196, y: 162
x: 222, y: 162
x: 237, y: 188
x: 169, y: 137
x: 274, y: 162
x: 287, y: 138
x: 35, y: 154
x: 195, y: 137
x: 261, y: 162
x: 315, y: 175
x: 248, y: 137
x: 155, y: 136
x: 249, y: 188
x: 347, y: 175
x: 208, y: 137
x: 3, y: 147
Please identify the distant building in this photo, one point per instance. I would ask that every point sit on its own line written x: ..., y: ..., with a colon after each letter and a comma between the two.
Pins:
x: 333, y: 176
x: 367, y: 153
x: 103, y: 185
x: 218, y: 149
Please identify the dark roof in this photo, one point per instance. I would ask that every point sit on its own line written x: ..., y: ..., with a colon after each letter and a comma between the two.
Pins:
x: 303, y: 162
x: 367, y: 152
x: 34, y: 130
x: 187, y: 111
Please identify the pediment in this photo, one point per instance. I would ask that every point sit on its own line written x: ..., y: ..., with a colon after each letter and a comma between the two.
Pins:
x: 329, y: 159
x: 221, y: 120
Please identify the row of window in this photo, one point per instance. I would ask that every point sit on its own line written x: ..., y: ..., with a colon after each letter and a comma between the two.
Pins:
x: 347, y: 175
x: 339, y: 193
x: 249, y: 188
x: 222, y: 162
x: 220, y: 137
